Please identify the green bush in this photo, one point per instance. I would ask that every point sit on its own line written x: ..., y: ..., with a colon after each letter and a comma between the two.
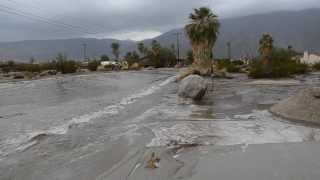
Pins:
x: 64, y: 65
x: 278, y: 65
x: 48, y: 66
x: 93, y: 65
x: 28, y: 67
x: 316, y: 67
x: 159, y: 56
x: 132, y: 57
x: 8, y: 66
x: 190, y: 57
x: 230, y: 66
x: 69, y: 66
x: 61, y: 63
x: 104, y: 57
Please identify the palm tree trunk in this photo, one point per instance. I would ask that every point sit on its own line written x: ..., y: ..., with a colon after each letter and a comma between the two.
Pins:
x: 202, y: 54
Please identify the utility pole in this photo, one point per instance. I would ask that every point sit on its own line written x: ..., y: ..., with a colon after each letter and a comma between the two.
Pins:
x: 229, y: 50
x: 85, y: 51
x: 178, y: 45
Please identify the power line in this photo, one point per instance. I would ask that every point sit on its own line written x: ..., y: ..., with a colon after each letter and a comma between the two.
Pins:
x: 98, y: 26
x: 32, y: 16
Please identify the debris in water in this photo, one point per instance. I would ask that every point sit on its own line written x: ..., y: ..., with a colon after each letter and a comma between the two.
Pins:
x: 178, y: 145
x: 153, y: 162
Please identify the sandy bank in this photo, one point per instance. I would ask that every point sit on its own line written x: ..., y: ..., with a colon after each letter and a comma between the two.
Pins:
x: 288, y: 82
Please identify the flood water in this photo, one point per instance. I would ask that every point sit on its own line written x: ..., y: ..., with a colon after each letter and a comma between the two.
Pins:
x: 87, y: 126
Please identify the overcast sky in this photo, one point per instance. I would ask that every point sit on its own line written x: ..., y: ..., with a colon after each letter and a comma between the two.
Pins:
x: 120, y: 19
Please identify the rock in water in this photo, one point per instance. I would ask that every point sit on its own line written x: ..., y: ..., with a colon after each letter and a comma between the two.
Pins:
x: 193, y: 86
x: 303, y: 107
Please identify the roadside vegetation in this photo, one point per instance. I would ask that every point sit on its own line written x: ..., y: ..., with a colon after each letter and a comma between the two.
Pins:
x: 316, y: 67
x: 275, y: 62
x: 156, y: 56
x: 202, y: 31
x: 60, y: 64
x: 229, y: 66
x: 94, y: 64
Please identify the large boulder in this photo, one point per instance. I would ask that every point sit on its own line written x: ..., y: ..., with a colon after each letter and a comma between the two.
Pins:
x: 193, y: 86
x: 303, y: 107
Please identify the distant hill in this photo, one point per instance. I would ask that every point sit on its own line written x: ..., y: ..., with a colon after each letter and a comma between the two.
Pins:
x: 44, y: 50
x: 300, y: 29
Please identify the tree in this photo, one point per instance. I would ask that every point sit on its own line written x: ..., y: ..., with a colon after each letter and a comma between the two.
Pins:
x: 132, y: 57
x: 155, y: 52
x: 202, y: 31
x: 64, y: 65
x: 280, y: 64
x: 173, y: 48
x: 104, y: 57
x: 190, y: 57
x: 115, y: 50
x: 32, y: 60
x: 155, y: 46
x: 93, y: 65
x: 265, y: 46
x: 142, y: 49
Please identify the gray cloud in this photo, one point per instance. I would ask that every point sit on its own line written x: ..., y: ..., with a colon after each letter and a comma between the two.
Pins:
x: 135, y: 19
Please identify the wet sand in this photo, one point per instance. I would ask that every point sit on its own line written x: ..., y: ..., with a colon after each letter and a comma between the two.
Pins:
x: 289, y: 161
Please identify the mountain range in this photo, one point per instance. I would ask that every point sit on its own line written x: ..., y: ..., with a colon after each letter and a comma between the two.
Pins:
x: 300, y: 29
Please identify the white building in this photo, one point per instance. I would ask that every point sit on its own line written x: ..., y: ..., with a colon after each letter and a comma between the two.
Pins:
x: 108, y: 63
x: 310, y: 59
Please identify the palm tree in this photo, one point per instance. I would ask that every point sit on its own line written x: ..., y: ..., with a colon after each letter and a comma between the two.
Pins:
x: 266, y: 45
x: 141, y: 48
x: 115, y: 50
x: 155, y: 47
x: 203, y: 31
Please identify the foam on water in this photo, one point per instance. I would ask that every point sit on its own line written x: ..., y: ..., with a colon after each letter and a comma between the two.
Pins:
x: 112, y: 109
x: 24, y: 141
x: 258, y: 127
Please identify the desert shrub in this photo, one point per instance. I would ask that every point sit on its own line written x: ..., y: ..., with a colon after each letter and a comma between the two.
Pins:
x: 64, y: 65
x: 104, y: 57
x: 61, y: 63
x: 159, y: 56
x: 278, y: 65
x: 48, y: 66
x: 28, y: 67
x: 316, y: 67
x: 238, y: 62
x: 8, y: 66
x: 5, y: 69
x: 69, y: 66
x: 93, y: 65
x: 230, y: 66
x: 132, y: 57
x: 167, y: 58
x: 190, y: 57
